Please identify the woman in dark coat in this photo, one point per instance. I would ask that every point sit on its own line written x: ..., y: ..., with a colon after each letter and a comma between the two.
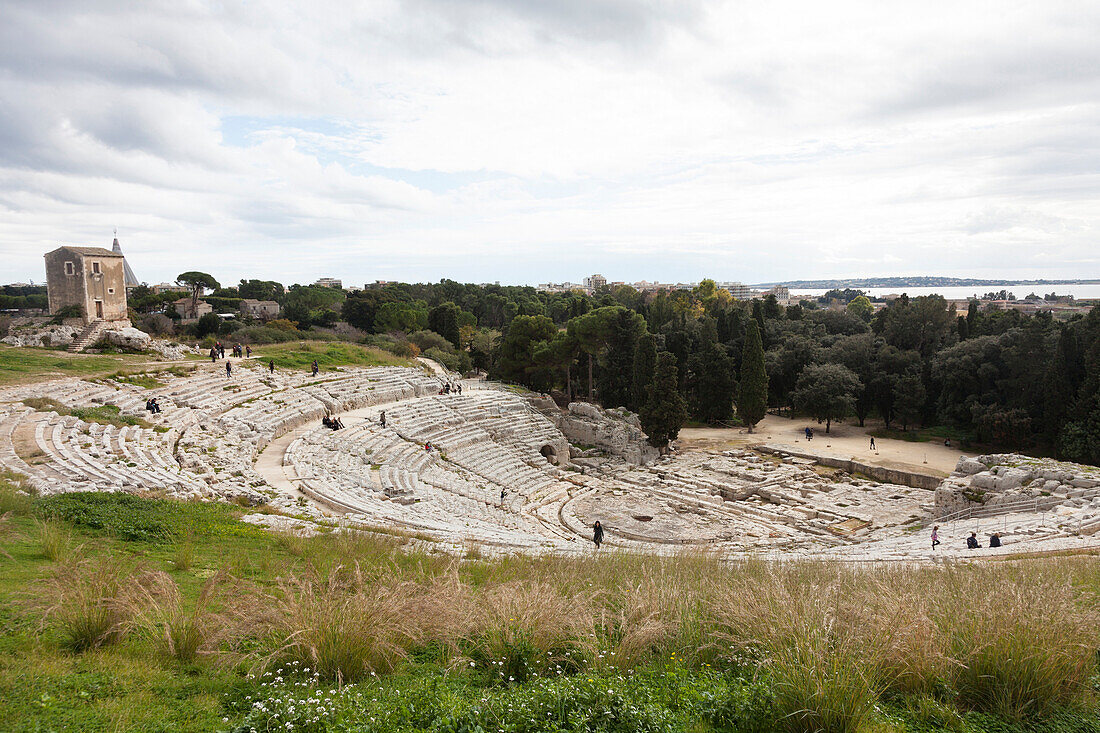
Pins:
x: 597, y: 534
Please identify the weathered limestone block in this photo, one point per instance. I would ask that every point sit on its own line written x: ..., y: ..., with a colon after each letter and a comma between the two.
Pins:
x: 128, y: 338
x: 969, y: 466
x: 617, y: 432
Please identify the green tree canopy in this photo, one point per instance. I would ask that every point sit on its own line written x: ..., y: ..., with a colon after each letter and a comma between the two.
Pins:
x: 752, y: 398
x: 645, y: 361
x: 826, y: 392
x: 197, y: 281
x: 861, y: 308
x: 711, y: 383
x: 664, y: 412
x: 524, y: 337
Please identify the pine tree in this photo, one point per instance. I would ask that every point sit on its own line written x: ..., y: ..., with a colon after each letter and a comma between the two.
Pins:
x: 645, y: 360
x: 752, y: 400
x: 664, y: 412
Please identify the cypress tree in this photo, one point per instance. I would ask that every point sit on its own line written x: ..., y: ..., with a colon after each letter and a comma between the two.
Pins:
x: 752, y: 400
x: 645, y: 360
x: 664, y: 412
x: 712, y: 383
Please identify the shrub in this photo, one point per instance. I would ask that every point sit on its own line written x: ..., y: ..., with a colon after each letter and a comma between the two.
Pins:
x: 459, y: 362
x: 425, y: 340
x: 282, y: 324
x: 208, y: 325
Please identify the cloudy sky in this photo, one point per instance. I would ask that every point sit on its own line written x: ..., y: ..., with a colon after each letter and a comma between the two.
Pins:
x: 526, y: 141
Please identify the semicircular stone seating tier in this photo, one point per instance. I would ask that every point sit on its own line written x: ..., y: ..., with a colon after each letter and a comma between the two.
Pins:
x: 482, y: 467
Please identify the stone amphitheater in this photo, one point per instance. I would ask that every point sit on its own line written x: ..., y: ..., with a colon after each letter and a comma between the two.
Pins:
x: 509, y: 472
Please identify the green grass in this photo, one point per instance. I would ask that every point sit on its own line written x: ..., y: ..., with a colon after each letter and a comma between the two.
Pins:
x: 328, y: 355
x: 25, y: 365
x: 159, y: 620
x: 102, y: 414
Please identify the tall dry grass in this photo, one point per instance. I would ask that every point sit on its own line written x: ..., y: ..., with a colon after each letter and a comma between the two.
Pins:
x: 92, y: 602
x: 1016, y: 639
x: 339, y: 626
x: 1020, y: 642
x: 182, y: 631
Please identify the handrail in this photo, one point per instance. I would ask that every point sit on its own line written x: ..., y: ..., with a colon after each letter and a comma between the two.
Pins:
x: 1039, y: 505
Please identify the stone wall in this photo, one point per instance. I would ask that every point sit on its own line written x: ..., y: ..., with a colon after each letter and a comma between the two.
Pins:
x: 879, y: 473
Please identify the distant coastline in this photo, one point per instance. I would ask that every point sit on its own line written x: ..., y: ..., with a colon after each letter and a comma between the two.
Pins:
x: 916, y: 282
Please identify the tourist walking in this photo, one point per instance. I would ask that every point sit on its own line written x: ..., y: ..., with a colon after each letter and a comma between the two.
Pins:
x: 382, y: 418
x: 228, y: 368
x: 271, y: 366
x: 872, y: 442
x: 935, y: 536
x: 502, y: 495
x: 315, y: 367
x: 248, y: 351
x: 597, y: 534
x: 213, y: 355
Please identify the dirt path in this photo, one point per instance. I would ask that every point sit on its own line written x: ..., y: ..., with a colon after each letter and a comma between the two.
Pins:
x: 843, y: 441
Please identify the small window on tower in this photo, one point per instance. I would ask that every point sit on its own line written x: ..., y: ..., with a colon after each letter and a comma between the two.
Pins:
x: 95, y: 268
x: 69, y: 268
x: 111, y: 291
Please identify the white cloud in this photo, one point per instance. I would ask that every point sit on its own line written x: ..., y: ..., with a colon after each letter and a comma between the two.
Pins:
x: 530, y: 141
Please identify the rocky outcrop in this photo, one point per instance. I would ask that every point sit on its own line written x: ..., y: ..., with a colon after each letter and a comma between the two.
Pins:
x: 616, y: 431
x: 127, y: 337
x: 1004, y: 478
x: 41, y: 336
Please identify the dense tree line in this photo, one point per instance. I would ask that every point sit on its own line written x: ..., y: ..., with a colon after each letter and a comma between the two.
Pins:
x: 16, y: 297
x: 1000, y: 378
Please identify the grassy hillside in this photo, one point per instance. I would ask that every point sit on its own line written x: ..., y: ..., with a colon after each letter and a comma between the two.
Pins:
x: 129, y: 613
x: 328, y: 355
x: 24, y: 365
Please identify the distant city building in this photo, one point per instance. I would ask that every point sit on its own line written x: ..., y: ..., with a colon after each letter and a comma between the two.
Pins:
x: 737, y: 290
x: 264, y: 310
x: 782, y: 294
x: 565, y: 287
x: 595, y: 282
x: 330, y: 282
x: 170, y: 288
x: 90, y: 278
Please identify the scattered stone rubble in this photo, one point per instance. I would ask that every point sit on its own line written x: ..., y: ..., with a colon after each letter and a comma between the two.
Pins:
x: 51, y: 336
